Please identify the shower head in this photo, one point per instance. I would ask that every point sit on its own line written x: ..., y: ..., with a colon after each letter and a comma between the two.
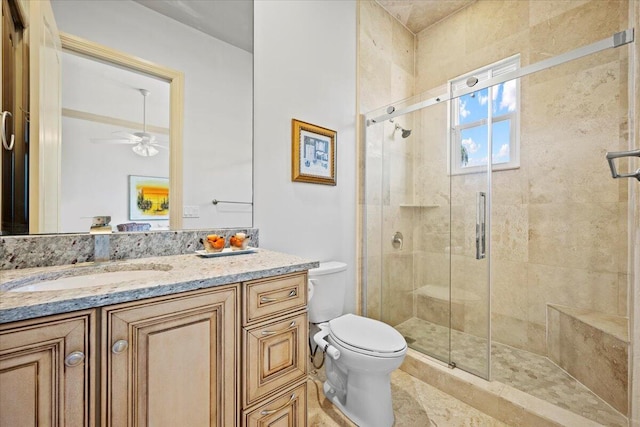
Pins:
x: 405, y: 132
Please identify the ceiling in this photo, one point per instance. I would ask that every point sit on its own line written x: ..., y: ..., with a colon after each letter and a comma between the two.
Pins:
x: 232, y: 21
x: 417, y: 15
x: 229, y: 21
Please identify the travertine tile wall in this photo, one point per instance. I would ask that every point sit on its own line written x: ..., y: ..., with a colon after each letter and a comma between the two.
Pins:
x: 559, y: 222
x: 386, y: 74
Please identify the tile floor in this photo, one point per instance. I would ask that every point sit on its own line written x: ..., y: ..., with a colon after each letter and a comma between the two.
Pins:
x: 528, y: 372
x: 415, y: 404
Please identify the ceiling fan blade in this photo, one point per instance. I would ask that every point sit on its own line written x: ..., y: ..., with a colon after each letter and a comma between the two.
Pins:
x: 113, y: 141
x: 128, y: 135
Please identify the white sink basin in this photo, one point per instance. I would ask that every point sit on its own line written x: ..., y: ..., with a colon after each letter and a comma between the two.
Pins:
x: 89, y: 279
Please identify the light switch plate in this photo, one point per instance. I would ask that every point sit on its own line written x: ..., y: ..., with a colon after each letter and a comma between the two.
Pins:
x: 191, y: 212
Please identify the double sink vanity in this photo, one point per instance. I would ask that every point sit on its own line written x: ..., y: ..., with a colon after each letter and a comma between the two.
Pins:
x: 175, y: 340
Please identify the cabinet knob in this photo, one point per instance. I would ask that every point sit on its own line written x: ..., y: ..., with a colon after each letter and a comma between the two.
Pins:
x: 272, y: 411
x: 119, y: 346
x: 74, y: 359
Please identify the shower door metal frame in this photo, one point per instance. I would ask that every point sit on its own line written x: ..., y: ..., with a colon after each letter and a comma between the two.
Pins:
x: 616, y: 40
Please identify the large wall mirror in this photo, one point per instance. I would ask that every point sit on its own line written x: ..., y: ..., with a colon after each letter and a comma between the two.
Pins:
x: 104, y: 102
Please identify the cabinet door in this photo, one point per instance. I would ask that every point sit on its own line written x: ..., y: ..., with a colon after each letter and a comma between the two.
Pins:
x: 275, y: 356
x: 172, y: 362
x: 45, y: 372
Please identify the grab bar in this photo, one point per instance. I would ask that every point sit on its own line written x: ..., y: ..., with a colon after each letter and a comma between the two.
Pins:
x: 617, y: 155
x: 481, y: 222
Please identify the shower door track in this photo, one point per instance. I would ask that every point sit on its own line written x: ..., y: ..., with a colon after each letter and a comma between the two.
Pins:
x: 616, y: 40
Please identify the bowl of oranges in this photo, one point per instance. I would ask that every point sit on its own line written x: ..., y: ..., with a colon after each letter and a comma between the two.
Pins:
x: 238, y: 242
x: 213, y: 243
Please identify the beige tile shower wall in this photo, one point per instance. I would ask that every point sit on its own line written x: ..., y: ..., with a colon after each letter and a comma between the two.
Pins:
x: 559, y: 222
x: 385, y: 75
x: 431, y: 214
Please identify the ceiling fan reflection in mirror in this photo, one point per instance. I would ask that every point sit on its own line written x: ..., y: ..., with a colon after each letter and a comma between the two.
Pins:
x: 144, y: 143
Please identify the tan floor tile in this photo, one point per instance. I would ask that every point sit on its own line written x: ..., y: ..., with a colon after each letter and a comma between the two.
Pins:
x: 415, y: 404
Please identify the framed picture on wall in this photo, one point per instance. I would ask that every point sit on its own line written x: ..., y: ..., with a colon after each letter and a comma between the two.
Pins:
x: 148, y: 197
x: 313, y: 153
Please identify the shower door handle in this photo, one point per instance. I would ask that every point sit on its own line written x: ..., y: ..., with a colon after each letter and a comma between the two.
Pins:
x: 481, y: 222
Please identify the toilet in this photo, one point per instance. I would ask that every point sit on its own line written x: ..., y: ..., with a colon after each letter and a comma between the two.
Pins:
x: 360, y: 352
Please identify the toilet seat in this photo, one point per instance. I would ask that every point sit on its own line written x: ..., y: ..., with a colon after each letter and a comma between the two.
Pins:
x: 367, y: 336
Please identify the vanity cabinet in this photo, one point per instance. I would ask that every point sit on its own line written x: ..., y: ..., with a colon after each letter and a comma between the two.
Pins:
x: 274, y: 353
x: 172, y: 361
x: 224, y: 356
x: 47, y: 371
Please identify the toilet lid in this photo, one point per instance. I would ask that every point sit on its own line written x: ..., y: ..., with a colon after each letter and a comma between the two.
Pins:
x: 366, y: 334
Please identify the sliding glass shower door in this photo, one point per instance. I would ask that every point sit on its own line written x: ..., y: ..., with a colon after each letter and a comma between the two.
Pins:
x: 472, y: 133
x: 427, y: 207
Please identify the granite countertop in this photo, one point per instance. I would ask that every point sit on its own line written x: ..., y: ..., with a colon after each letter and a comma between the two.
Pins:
x: 166, y: 275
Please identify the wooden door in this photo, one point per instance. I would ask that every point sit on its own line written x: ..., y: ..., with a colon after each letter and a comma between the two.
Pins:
x: 14, y: 89
x: 46, y: 372
x: 172, y: 362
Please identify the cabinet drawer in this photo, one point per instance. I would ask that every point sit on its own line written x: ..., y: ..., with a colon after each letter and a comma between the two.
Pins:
x: 274, y: 297
x: 274, y: 356
x: 288, y: 409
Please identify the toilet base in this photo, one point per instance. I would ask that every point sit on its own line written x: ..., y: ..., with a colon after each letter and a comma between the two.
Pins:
x: 383, y: 418
x: 331, y: 395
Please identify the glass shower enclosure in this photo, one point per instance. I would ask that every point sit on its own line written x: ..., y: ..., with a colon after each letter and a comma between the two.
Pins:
x: 435, y: 163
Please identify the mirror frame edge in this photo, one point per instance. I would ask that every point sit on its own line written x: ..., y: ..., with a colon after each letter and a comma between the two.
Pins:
x: 176, y: 107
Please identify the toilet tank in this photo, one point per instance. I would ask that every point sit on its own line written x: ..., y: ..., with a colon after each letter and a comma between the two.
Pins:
x: 327, y: 287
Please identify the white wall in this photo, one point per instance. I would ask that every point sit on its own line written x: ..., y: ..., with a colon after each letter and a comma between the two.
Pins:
x: 218, y: 97
x: 305, y: 68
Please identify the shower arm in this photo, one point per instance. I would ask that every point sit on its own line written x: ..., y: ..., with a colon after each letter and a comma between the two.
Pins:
x: 619, y: 154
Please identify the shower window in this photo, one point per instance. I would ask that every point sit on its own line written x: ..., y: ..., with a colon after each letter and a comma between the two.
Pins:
x: 471, y: 115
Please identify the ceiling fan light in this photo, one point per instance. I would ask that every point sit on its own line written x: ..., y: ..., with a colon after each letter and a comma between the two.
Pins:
x: 144, y: 150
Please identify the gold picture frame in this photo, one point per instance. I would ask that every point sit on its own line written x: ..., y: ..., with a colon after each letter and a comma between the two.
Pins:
x: 313, y: 153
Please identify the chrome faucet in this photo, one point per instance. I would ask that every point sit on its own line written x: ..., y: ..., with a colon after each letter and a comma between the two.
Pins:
x: 101, y: 244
